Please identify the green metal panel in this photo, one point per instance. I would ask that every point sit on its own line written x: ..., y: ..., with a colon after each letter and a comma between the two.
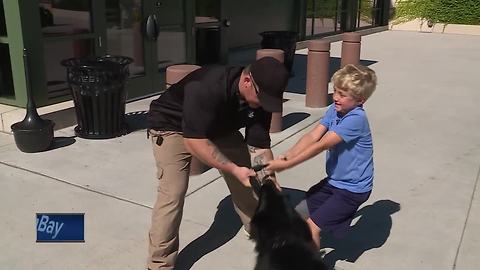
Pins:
x: 23, y: 28
x: 15, y: 39
x: 348, y: 17
x: 33, y: 42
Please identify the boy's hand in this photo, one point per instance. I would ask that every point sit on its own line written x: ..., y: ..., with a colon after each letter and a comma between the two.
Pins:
x: 277, y: 165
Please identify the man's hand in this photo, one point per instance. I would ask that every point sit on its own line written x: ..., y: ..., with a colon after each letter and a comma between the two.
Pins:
x: 243, y: 174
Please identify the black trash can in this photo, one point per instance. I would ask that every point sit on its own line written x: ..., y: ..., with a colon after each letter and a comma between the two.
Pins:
x: 284, y: 40
x: 208, y: 45
x: 97, y: 86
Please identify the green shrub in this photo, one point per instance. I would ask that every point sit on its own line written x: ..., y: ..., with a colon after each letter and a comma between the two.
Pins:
x: 366, y: 9
x: 323, y: 8
x: 439, y: 11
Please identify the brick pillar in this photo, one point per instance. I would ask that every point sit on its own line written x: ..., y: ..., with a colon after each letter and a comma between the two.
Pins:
x: 276, y: 125
x: 318, y: 66
x: 174, y: 74
x: 351, y: 48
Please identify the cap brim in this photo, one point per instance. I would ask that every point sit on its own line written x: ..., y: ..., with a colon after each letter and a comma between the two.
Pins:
x: 269, y: 103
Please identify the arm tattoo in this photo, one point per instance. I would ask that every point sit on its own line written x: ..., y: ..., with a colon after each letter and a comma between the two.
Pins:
x: 217, y: 155
x: 258, y: 160
x: 258, y: 157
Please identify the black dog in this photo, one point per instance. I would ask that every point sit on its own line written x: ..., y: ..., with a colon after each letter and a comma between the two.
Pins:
x: 283, y: 239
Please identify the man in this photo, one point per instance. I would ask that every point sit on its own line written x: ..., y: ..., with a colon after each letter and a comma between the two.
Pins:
x: 200, y: 115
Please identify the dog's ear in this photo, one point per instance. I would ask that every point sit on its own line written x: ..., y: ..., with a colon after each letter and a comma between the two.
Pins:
x: 268, y: 196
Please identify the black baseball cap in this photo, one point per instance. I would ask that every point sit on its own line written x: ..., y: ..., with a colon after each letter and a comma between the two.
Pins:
x: 271, y: 77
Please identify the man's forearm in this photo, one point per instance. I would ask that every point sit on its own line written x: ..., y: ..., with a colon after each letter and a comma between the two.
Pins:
x: 209, y: 154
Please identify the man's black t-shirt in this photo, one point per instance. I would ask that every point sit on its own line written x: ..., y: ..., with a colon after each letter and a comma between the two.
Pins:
x: 206, y: 104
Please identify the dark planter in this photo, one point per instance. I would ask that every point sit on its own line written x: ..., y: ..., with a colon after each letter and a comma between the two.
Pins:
x: 31, y: 140
x: 32, y: 134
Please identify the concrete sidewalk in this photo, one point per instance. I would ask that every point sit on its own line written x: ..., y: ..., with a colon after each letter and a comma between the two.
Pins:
x: 424, y: 212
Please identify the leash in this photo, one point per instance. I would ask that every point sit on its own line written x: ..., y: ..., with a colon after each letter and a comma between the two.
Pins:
x: 255, y: 182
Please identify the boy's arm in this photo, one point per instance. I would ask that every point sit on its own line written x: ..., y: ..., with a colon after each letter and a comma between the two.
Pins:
x: 307, y: 140
x: 328, y: 140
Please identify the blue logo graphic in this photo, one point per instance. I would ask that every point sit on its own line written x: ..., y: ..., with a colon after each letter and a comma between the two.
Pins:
x: 60, y: 227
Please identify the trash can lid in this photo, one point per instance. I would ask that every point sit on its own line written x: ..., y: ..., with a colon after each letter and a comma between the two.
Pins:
x: 97, y: 62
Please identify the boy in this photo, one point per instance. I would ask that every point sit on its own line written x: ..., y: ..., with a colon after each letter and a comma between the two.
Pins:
x: 345, y: 133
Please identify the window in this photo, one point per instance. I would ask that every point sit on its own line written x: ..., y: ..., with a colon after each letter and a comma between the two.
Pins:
x: 54, y: 53
x: 207, y: 11
x: 366, y: 13
x: 6, y: 81
x: 321, y: 17
x: 65, y: 17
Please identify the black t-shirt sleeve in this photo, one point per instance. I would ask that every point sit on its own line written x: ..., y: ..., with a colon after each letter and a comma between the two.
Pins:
x: 257, y: 130
x: 198, y: 110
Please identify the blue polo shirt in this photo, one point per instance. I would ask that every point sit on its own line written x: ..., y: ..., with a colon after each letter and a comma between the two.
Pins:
x: 350, y: 163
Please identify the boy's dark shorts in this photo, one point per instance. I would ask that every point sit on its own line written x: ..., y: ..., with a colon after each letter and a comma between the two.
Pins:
x: 332, y: 209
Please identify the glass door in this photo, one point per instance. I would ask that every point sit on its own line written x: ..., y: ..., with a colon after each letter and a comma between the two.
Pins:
x: 170, y: 45
x: 211, y: 25
x: 67, y: 30
x: 152, y: 33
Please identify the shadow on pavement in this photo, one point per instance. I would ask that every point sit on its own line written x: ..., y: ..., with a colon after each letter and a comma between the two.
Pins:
x: 292, y: 119
x: 298, y: 83
x: 370, y: 231
x: 59, y: 142
x: 225, y: 226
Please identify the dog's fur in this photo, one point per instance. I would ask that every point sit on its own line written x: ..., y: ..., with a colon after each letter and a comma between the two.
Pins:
x: 283, y: 239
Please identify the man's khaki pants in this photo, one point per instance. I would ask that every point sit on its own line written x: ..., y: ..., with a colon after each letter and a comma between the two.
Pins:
x: 173, y: 164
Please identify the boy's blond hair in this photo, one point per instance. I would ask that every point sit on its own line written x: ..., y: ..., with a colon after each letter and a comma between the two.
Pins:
x: 358, y: 80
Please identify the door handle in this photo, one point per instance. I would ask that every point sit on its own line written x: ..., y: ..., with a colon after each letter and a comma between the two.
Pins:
x: 151, y: 27
x: 226, y: 23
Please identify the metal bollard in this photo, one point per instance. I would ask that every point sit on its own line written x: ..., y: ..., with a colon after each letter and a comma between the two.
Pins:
x: 276, y: 124
x: 318, y: 66
x: 350, y: 48
x: 174, y: 74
